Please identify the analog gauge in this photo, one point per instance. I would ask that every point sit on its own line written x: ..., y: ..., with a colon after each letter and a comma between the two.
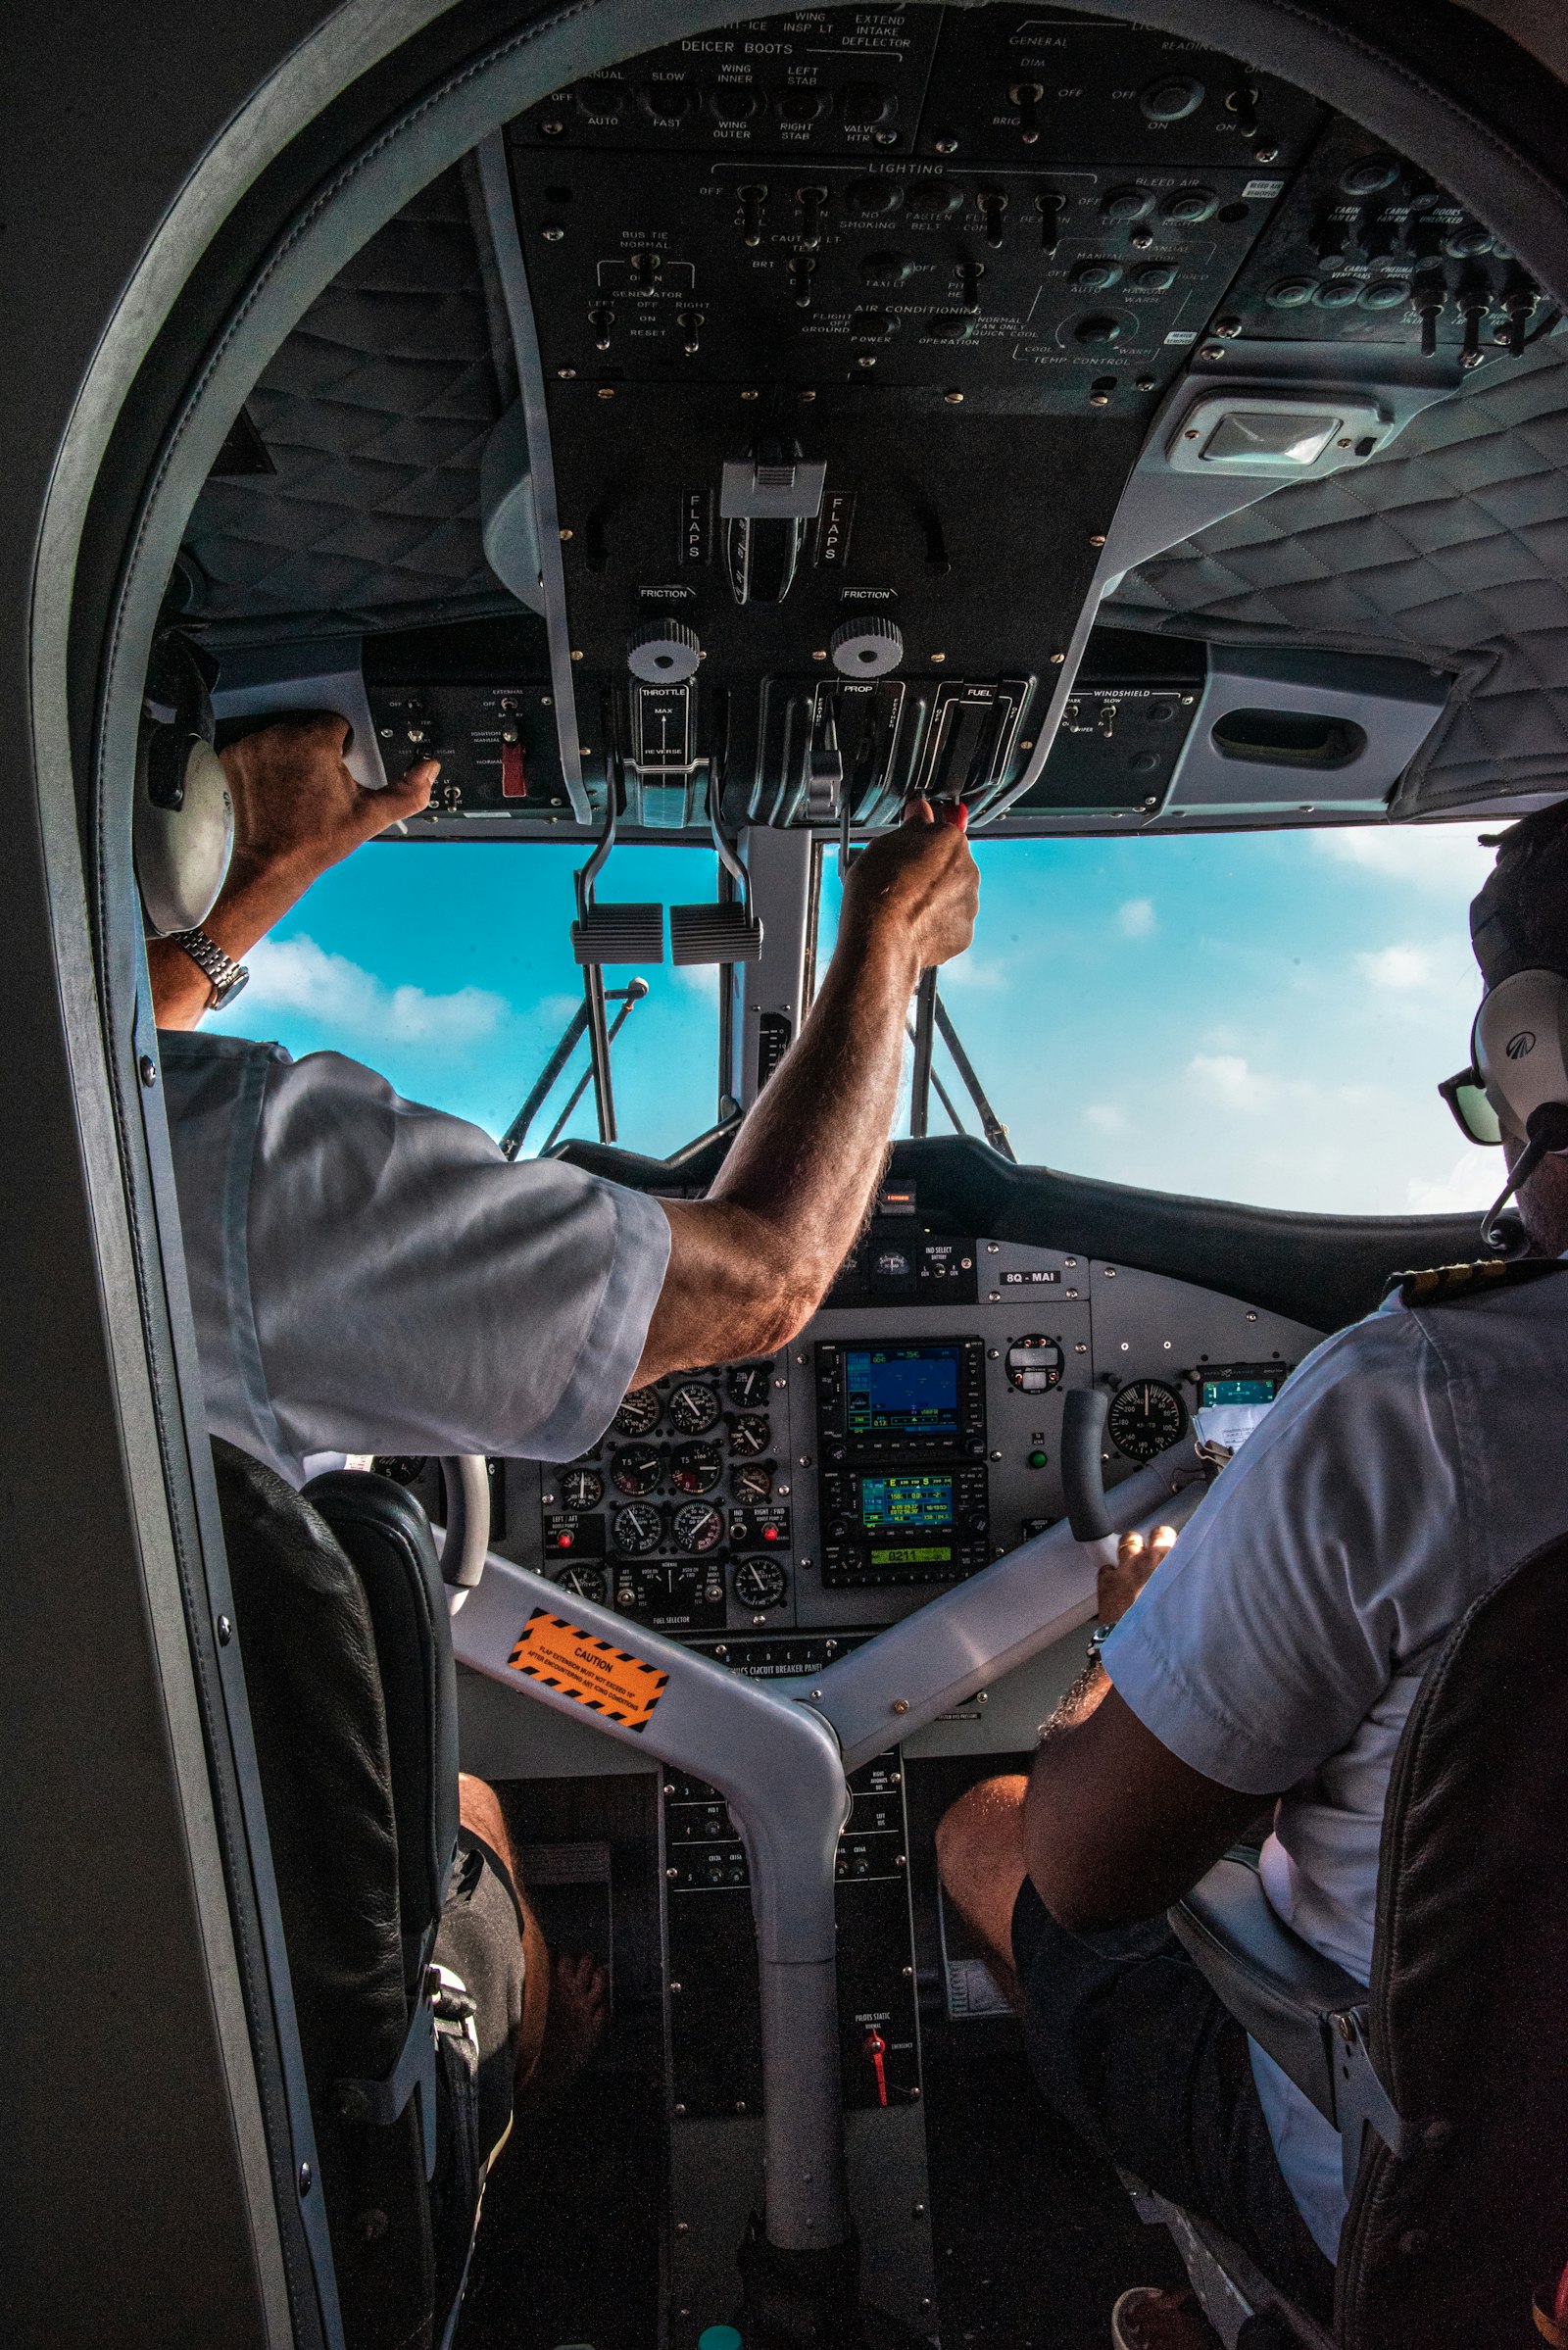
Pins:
x: 1035, y: 1365
x: 1145, y: 1418
x: 405, y: 1468
x: 747, y: 1385
x: 759, y: 1582
x: 637, y: 1529
x: 693, y: 1408
x: 749, y: 1435
x: 581, y: 1488
x: 698, y: 1527
x: 753, y: 1482
x: 696, y: 1468
x: 636, y: 1469
x: 638, y: 1414
x: 584, y: 1583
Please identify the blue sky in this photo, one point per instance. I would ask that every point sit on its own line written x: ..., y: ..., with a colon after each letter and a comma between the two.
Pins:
x: 1253, y: 1017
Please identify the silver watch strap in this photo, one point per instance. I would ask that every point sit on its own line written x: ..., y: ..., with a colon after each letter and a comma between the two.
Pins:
x: 227, y: 977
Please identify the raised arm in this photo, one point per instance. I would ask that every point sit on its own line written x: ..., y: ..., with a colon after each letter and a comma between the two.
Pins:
x: 752, y: 1262
x: 297, y: 809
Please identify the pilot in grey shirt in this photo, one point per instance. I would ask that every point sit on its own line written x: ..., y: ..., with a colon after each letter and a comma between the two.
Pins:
x: 1408, y: 1465
x: 367, y: 1275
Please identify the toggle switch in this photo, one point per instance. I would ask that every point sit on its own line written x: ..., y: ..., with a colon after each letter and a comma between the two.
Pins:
x: 601, y: 319
x: 993, y: 204
x: 803, y: 269
x: 874, y: 2049
x: 752, y: 200
x: 514, y: 775
x: 809, y: 203
x: 970, y: 273
x: 1026, y: 97
x: 1049, y: 204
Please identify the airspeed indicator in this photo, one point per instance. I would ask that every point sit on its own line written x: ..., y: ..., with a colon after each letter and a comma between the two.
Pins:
x: 1146, y: 1418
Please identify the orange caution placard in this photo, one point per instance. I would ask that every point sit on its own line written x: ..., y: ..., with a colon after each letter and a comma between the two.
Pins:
x: 589, y: 1671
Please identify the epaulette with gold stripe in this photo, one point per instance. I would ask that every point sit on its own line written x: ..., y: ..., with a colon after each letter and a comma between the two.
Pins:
x: 1449, y: 1285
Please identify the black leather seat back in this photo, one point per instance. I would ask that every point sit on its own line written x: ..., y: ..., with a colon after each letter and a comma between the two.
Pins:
x: 1444, y: 2248
x: 387, y: 1537
x: 314, y: 1678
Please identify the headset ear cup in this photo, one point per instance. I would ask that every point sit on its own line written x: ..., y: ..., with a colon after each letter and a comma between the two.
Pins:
x: 1521, y: 1047
x: 181, y: 853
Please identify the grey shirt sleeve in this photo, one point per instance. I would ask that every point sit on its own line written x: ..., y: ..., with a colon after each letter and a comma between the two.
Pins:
x: 415, y: 1291
x: 1321, y: 1563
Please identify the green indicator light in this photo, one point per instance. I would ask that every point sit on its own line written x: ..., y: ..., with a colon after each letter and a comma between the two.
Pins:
x: 1038, y: 1460
x: 719, y: 2337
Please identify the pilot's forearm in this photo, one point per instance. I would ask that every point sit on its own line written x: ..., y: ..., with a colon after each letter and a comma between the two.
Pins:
x: 750, y: 1264
x: 258, y: 892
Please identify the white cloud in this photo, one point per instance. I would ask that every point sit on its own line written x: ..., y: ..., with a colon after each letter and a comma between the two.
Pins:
x: 1468, y: 1184
x: 1399, y: 968
x: 1136, y: 918
x: 971, y: 972
x: 1227, y: 1078
x: 1105, y: 1118
x: 296, y: 975
x: 1427, y: 857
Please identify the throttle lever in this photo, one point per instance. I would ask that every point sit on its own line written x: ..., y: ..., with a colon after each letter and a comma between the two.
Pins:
x: 1083, y: 1482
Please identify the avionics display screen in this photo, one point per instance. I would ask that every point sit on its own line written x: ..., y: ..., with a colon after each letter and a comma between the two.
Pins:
x: 1239, y: 1391
x: 900, y: 1391
x: 910, y: 1508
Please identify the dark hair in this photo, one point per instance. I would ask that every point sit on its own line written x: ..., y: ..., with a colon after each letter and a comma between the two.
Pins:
x: 1519, y: 919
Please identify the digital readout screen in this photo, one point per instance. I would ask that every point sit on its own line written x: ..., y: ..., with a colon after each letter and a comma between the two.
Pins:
x: 905, y: 1504
x: 900, y: 1391
x: 1238, y: 1390
x: 915, y: 1554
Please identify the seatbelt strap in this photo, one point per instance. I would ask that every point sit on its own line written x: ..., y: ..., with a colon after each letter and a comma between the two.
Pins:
x: 382, y: 2101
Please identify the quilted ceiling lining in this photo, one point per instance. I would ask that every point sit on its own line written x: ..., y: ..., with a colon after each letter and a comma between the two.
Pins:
x: 374, y: 414
x: 1453, y: 547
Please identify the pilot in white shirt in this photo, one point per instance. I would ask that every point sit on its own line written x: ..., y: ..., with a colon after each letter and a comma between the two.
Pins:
x: 1411, y: 1462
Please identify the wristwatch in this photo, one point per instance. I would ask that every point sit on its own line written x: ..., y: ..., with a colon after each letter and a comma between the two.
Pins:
x: 227, y: 976
x: 1097, y: 1640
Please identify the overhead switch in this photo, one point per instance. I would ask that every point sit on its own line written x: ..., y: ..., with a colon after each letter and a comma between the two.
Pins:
x: 866, y: 648
x: 663, y: 652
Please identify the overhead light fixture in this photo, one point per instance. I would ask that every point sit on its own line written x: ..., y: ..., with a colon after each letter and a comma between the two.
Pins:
x: 1249, y: 432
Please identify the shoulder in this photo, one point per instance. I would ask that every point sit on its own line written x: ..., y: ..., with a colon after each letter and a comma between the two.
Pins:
x: 1458, y: 1284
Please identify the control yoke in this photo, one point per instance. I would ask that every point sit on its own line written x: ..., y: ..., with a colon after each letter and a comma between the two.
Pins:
x: 1083, y: 1478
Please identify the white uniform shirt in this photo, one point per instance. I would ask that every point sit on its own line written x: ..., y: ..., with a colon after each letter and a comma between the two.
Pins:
x: 1409, y: 1464
x: 367, y: 1275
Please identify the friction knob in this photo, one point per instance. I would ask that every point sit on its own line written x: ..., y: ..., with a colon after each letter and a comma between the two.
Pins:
x: 663, y: 652
x: 866, y: 648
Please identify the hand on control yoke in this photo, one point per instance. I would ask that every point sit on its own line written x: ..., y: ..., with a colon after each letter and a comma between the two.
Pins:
x: 1136, y: 1560
x: 920, y: 881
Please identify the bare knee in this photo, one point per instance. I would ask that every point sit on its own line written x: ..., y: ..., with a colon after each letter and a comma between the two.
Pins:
x: 980, y: 1855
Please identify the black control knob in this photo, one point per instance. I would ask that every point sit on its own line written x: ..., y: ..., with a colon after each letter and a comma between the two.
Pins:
x: 1172, y: 100
x: 933, y: 199
x: 801, y: 105
x: 862, y: 104
x: 886, y: 268
x: 1370, y: 176
x: 1094, y: 276
x: 667, y: 102
x: 1098, y: 331
x: 599, y: 101
x: 1126, y: 204
x: 1189, y: 205
x: 663, y: 652
x: 1154, y: 277
x: 866, y: 648
x: 944, y: 327
x: 977, y: 1522
x: 837, y: 1530
x: 1468, y: 242
x: 870, y: 198
x: 734, y: 102
x: 871, y: 326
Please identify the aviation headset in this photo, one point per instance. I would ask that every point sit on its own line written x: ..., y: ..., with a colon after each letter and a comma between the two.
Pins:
x: 182, y: 832
x: 1516, y: 1087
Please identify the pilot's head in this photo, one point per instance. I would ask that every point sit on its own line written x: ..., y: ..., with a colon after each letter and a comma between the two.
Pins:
x: 1519, y: 922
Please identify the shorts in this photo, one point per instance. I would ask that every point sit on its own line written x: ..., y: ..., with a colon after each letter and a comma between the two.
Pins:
x: 480, y: 1940
x: 1132, y: 2048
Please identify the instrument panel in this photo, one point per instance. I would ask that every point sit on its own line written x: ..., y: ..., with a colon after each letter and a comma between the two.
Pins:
x: 907, y: 1436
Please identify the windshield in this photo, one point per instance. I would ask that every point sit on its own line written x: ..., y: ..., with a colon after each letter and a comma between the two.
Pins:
x: 448, y: 968
x: 1250, y: 1017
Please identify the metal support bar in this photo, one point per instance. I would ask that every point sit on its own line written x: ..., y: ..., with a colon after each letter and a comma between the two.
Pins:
x: 512, y: 1140
x: 777, y: 1766
x: 995, y: 1132
x: 925, y: 997
x: 593, y: 988
x: 940, y: 1089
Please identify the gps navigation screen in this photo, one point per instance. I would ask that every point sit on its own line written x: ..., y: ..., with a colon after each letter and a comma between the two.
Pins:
x: 900, y: 1391
x: 908, y: 1507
